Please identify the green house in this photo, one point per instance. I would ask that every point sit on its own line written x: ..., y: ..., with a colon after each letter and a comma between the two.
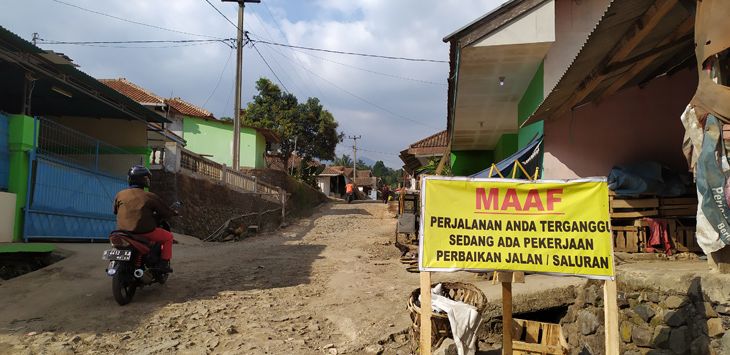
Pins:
x: 202, y: 133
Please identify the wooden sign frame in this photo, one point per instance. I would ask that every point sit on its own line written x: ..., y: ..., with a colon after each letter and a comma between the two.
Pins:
x: 610, y: 296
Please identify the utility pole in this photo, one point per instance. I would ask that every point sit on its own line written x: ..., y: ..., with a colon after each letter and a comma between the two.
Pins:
x: 354, y: 155
x: 239, y: 79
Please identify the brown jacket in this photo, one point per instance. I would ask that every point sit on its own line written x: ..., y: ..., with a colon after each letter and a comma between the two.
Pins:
x: 138, y: 211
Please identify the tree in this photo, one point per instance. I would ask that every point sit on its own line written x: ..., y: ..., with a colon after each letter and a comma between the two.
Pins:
x: 361, y: 165
x: 344, y: 160
x: 379, y: 169
x: 308, y: 126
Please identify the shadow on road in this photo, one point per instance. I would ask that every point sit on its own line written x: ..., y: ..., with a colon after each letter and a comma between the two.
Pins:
x: 75, y: 296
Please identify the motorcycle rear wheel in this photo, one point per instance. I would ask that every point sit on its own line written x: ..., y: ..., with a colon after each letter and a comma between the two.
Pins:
x: 123, y: 288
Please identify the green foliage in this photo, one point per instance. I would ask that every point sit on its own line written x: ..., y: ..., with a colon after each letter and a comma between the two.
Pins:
x: 343, y: 160
x: 308, y: 126
x: 362, y: 166
x: 431, y: 167
x: 386, y: 175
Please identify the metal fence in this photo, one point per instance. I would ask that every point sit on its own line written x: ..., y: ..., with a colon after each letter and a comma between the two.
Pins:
x: 59, y: 142
x: 202, y: 166
x: 73, y: 178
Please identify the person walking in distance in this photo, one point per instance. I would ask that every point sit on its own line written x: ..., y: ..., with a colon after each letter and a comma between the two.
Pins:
x: 386, y: 193
x: 349, y: 191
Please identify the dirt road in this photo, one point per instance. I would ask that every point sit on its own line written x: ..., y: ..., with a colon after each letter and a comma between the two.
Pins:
x: 328, y: 284
x: 318, y: 286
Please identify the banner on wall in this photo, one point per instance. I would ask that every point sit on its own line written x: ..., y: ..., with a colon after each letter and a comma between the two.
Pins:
x: 544, y: 226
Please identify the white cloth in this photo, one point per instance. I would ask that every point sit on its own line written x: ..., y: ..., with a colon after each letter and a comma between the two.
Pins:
x: 464, y: 320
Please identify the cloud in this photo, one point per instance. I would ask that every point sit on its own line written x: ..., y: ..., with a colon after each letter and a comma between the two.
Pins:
x: 408, y: 28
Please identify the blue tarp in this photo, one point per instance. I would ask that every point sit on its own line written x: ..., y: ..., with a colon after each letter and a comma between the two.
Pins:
x: 527, y: 156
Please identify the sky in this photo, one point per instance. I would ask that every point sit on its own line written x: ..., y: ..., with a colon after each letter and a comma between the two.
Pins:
x: 390, y: 103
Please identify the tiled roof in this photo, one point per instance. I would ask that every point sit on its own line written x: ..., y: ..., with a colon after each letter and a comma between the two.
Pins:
x: 440, y: 139
x: 332, y: 170
x: 132, y: 91
x: 188, y: 109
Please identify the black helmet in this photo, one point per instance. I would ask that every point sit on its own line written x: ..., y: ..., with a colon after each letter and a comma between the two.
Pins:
x: 139, y: 176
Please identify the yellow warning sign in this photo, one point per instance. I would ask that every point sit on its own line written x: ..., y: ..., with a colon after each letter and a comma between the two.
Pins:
x: 555, y: 227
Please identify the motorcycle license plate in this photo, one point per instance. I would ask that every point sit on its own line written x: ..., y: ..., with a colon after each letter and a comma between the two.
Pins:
x: 116, y: 254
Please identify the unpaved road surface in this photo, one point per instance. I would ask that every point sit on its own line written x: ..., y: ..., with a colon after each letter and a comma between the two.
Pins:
x: 328, y: 284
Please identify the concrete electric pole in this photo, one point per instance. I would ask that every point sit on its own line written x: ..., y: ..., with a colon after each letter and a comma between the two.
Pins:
x: 354, y: 155
x: 239, y: 79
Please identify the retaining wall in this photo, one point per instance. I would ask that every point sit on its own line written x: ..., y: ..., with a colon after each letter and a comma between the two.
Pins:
x: 208, y: 204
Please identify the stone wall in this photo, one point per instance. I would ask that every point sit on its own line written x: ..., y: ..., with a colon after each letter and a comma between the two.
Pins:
x: 208, y: 204
x: 650, y: 322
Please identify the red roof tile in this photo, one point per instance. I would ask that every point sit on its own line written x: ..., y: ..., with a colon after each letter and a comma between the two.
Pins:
x: 187, y: 108
x: 440, y: 139
x: 132, y: 91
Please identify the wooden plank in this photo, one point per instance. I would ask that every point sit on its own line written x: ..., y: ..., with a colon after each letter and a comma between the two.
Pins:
x: 623, y: 228
x: 635, y: 214
x: 684, y: 212
x: 610, y: 311
x: 635, y: 203
x: 639, y: 30
x: 425, y: 343
x: 632, y: 242
x: 678, y: 201
x: 506, y: 318
x: 676, y: 207
x: 533, y: 333
x: 518, y: 328
x: 529, y: 348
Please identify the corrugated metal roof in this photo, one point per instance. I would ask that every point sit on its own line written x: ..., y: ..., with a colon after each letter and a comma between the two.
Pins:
x: 89, y: 96
x: 591, y: 61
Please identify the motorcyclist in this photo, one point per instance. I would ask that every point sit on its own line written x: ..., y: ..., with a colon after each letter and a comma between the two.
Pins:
x: 139, y: 212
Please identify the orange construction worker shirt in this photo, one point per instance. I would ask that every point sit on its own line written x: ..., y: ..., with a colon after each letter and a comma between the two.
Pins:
x: 348, y: 188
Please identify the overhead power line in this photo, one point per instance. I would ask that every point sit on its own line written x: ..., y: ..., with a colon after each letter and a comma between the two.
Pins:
x: 354, y: 53
x: 220, y: 77
x: 224, y: 16
x: 370, y: 71
x: 377, y: 152
x: 360, y: 97
x: 132, y: 21
x: 272, y: 70
x: 140, y: 43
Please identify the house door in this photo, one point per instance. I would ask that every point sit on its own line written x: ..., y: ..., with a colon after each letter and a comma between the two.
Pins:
x: 4, y: 152
x: 73, y: 180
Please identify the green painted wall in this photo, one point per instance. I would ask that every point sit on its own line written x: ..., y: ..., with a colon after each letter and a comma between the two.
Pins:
x: 506, y: 146
x: 212, y: 138
x: 467, y: 162
x: 20, y: 142
x: 531, y: 99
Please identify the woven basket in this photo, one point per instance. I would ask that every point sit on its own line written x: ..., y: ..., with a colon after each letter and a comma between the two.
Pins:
x: 440, y: 328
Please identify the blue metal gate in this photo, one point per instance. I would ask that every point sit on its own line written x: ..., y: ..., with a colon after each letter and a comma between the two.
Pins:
x: 72, y: 183
x: 4, y: 152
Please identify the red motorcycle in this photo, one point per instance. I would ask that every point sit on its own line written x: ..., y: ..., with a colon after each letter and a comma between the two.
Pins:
x: 134, y: 263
